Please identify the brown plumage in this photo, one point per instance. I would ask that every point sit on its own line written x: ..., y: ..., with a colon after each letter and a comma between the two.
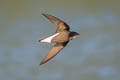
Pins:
x: 53, y: 52
x: 61, y: 25
x: 61, y: 37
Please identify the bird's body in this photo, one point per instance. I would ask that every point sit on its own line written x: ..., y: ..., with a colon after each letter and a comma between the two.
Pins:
x: 61, y: 37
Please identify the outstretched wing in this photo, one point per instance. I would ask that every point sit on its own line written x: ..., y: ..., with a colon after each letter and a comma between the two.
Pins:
x: 53, y: 52
x: 61, y: 25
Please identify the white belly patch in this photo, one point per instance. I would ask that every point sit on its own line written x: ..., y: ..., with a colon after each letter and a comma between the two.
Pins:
x: 48, y: 40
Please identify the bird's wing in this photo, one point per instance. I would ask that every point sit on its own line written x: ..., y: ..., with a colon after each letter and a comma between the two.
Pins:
x: 61, y: 25
x: 53, y: 52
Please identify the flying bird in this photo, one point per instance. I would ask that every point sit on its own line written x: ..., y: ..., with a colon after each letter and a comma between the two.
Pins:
x: 61, y: 37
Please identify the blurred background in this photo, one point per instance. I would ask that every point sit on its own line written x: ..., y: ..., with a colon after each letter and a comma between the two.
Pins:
x: 94, y: 55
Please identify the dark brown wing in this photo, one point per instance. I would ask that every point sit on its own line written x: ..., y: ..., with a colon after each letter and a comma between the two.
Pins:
x: 53, y: 52
x: 61, y: 25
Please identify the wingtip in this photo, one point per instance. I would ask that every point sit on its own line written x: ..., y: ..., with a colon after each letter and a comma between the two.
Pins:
x: 44, y: 14
x: 42, y: 62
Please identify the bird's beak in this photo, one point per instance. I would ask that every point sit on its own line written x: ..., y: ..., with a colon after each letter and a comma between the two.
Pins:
x: 78, y: 34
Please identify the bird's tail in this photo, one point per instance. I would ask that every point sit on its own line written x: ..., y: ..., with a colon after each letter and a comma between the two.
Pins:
x: 40, y: 40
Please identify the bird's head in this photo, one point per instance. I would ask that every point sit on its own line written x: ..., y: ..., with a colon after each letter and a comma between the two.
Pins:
x: 73, y: 35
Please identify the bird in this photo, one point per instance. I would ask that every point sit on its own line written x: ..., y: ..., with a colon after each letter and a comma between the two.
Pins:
x: 61, y: 37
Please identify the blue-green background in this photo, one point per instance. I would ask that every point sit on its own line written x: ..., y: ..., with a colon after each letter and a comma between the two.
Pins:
x: 94, y: 55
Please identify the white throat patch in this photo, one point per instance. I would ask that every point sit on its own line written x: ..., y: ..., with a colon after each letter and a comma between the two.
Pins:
x: 48, y: 40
